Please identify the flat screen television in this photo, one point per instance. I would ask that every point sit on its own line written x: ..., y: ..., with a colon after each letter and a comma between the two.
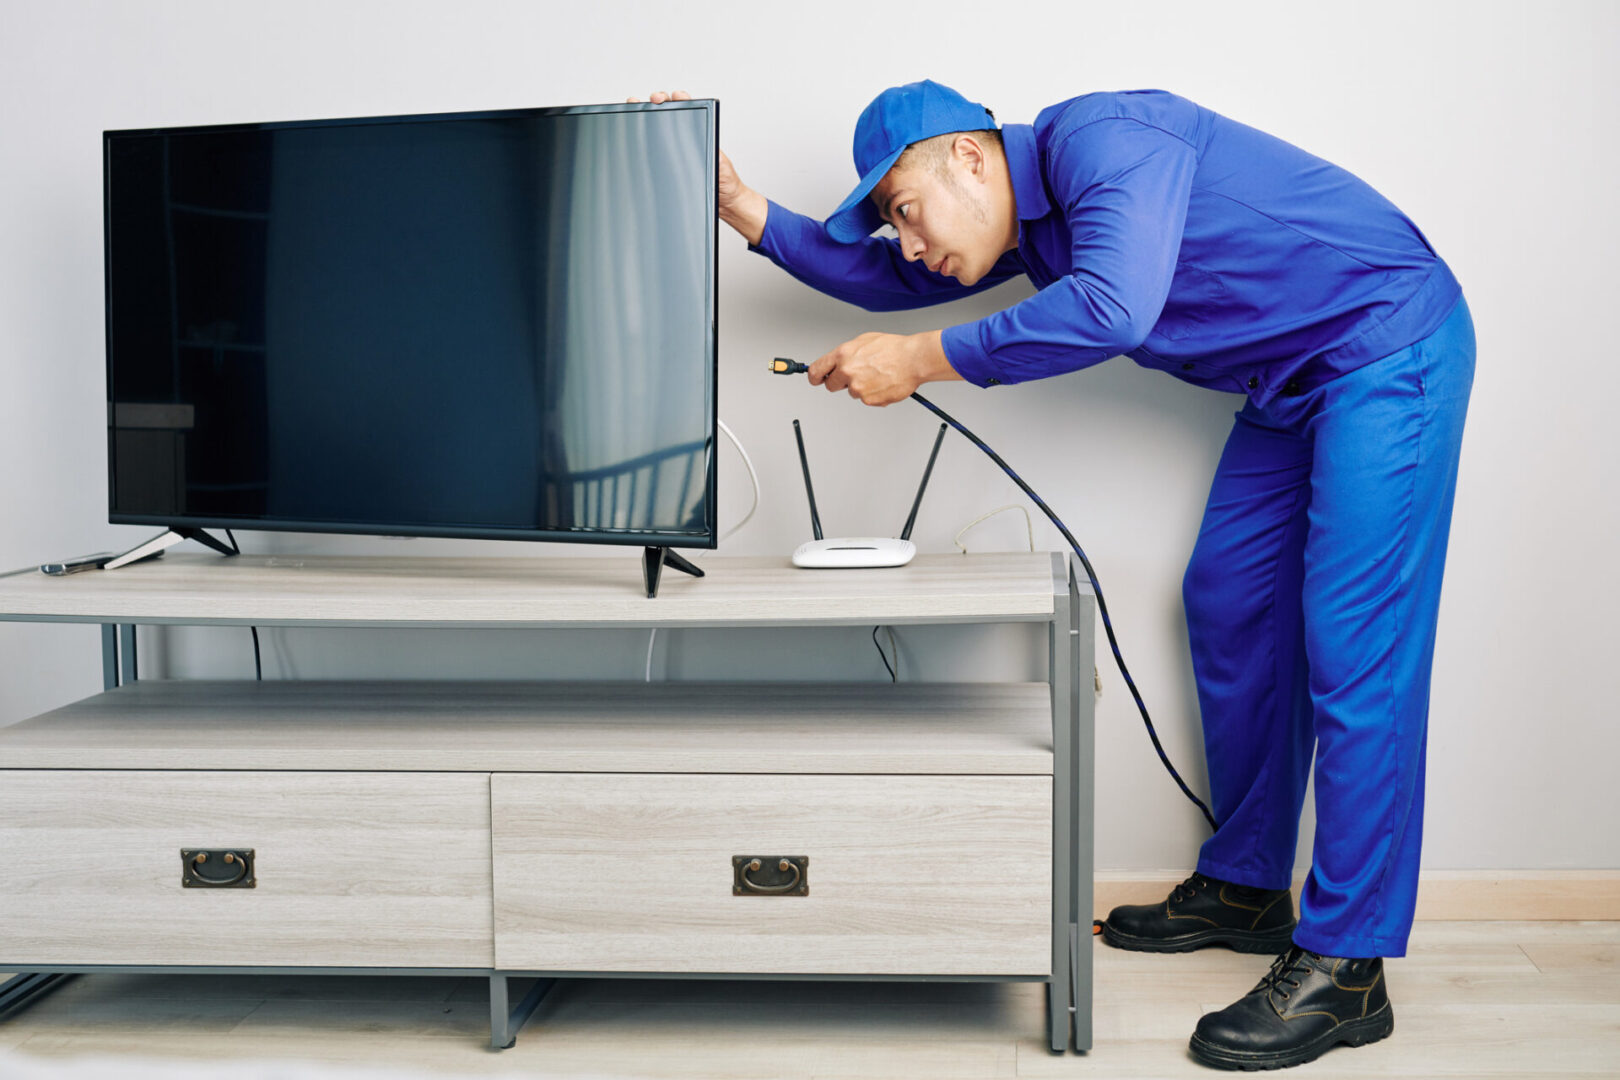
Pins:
x: 491, y: 324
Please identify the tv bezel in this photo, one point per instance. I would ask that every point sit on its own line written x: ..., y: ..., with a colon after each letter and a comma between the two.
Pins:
x: 593, y: 535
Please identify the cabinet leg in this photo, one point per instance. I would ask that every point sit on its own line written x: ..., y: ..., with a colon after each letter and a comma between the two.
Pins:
x: 126, y: 653
x: 1057, y: 1013
x: 505, y: 1022
x: 1060, y: 670
x: 109, y: 656
x: 20, y: 991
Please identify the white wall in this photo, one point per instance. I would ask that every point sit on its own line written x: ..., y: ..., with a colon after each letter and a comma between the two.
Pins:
x: 1491, y: 124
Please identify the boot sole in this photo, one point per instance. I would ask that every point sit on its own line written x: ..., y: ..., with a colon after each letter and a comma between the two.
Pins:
x: 1368, y: 1029
x: 1248, y: 941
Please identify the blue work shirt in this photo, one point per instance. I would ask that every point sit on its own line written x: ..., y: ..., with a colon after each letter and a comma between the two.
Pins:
x: 1160, y: 230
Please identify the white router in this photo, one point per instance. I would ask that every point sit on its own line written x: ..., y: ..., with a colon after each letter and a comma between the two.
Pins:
x: 858, y: 551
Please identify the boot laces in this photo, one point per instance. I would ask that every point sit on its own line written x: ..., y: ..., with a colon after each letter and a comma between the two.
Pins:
x: 1189, y: 888
x: 1283, y: 970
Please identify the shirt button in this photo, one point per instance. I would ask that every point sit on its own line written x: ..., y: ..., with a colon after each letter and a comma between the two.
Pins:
x: 1291, y: 387
x: 1186, y: 367
x: 992, y: 382
x: 1253, y: 382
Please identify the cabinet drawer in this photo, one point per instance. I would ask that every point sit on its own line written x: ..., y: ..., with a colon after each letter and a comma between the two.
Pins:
x: 906, y: 874
x: 351, y: 869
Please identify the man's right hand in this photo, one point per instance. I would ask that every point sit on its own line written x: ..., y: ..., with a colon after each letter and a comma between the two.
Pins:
x: 740, y: 206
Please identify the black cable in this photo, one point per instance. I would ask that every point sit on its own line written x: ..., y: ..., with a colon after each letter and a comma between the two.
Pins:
x: 258, y: 667
x: 892, y: 676
x: 783, y: 366
x: 1102, y: 606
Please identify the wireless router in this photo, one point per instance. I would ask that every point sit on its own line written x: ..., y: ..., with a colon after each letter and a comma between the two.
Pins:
x: 858, y: 551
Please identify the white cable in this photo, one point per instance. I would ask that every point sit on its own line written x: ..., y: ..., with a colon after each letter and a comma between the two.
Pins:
x: 1028, y: 524
x: 652, y: 637
x: 752, y: 476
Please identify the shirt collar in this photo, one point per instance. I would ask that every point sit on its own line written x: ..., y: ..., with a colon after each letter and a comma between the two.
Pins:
x: 1023, y: 163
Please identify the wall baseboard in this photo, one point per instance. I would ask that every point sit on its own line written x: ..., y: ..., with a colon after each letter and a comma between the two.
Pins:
x: 1442, y: 894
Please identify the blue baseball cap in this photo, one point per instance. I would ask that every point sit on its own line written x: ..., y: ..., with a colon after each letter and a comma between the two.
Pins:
x: 898, y: 117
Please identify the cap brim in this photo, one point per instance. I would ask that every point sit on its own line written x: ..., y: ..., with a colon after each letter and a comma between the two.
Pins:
x: 856, y: 217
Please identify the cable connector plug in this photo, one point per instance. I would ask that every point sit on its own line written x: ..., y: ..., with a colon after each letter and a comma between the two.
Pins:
x: 781, y: 366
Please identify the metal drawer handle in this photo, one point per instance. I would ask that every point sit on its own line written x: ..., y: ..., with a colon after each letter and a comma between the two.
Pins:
x: 791, y: 884
x: 240, y: 860
x: 230, y: 857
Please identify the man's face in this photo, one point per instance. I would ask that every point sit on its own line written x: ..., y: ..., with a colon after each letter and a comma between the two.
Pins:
x: 952, y: 222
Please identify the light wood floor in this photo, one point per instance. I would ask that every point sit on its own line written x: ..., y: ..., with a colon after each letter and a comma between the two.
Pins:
x: 1472, y: 999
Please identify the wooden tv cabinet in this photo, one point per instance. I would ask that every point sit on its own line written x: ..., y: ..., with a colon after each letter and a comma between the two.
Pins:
x: 555, y: 828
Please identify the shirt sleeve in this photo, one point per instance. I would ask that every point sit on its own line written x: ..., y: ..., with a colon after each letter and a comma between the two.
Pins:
x: 1124, y: 187
x: 871, y: 273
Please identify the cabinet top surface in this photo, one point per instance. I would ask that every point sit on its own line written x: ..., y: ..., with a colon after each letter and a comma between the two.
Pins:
x: 195, y: 587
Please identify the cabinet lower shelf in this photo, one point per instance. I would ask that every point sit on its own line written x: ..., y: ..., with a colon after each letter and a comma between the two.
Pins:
x: 534, y: 827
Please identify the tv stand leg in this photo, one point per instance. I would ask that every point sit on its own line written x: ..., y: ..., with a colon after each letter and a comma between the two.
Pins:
x: 159, y: 544
x: 20, y: 991
x: 504, y: 1020
x: 653, y: 561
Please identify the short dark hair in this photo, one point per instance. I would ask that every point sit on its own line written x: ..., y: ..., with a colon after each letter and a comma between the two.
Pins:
x: 934, y: 152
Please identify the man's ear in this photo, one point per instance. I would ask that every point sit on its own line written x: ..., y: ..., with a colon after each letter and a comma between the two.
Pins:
x: 967, y: 148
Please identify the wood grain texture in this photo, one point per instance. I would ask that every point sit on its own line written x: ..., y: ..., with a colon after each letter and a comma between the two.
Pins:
x: 353, y: 869
x: 488, y: 726
x: 633, y: 872
x: 191, y: 587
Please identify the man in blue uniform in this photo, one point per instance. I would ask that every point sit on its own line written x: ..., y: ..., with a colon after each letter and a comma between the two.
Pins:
x: 1157, y: 229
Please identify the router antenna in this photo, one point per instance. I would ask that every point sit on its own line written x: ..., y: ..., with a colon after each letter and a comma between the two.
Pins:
x: 815, y: 522
x: 905, y: 534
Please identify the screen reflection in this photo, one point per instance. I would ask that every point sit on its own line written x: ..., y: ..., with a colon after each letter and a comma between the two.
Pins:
x: 481, y: 323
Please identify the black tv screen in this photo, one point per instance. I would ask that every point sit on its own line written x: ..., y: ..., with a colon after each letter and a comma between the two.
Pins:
x: 496, y: 324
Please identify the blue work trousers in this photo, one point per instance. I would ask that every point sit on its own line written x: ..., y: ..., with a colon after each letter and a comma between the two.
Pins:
x: 1312, y: 597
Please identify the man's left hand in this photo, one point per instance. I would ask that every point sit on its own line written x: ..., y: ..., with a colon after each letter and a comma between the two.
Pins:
x: 880, y: 369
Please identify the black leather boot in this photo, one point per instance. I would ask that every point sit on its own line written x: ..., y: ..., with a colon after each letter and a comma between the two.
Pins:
x: 1306, y: 1004
x: 1206, y: 911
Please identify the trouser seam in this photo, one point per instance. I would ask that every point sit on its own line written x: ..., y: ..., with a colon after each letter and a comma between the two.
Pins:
x: 1279, y: 705
x: 1401, y: 594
